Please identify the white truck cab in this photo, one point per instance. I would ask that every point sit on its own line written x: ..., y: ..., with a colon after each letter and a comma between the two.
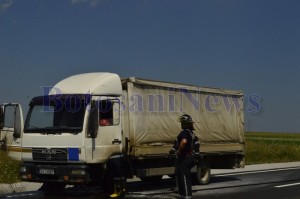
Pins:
x: 70, y: 134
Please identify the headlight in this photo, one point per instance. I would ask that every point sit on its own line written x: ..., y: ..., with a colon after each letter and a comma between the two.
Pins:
x: 23, y: 170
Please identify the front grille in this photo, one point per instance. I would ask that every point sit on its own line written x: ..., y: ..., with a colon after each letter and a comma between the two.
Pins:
x: 50, y: 154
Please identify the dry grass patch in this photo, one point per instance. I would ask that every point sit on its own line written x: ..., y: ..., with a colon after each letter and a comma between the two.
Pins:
x: 9, y: 169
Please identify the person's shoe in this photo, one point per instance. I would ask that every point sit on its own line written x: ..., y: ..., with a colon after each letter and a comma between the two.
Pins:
x: 118, y: 194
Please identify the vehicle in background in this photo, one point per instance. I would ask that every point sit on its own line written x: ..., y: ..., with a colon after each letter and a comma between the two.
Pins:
x: 11, y: 126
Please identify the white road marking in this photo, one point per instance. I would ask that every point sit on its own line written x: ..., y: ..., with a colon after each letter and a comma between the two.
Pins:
x: 287, y: 185
x: 251, y: 172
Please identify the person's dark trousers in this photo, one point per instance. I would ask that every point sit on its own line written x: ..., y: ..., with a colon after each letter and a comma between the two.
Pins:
x: 184, y: 176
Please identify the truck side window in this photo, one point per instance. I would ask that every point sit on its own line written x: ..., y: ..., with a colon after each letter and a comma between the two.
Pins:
x: 107, y: 115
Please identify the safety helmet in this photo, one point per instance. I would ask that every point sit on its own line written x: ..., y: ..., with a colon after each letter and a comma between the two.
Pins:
x: 185, y: 118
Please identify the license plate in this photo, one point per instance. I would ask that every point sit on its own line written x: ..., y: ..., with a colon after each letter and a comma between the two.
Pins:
x: 46, y: 171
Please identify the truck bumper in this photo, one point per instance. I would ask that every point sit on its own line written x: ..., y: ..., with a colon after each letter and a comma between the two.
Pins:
x: 67, y: 174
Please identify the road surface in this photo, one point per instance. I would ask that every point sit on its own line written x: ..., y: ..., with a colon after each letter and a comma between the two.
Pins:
x: 258, y: 181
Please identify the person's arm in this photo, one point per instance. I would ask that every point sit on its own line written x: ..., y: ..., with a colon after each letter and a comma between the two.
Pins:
x: 182, y: 145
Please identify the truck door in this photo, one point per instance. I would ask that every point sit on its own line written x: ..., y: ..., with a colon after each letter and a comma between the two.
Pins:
x: 108, y: 140
x: 11, y: 127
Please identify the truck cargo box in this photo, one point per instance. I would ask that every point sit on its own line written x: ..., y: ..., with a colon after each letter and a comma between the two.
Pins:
x: 151, y: 110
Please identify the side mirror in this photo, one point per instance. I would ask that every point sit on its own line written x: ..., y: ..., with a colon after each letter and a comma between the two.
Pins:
x: 1, y: 118
x: 17, y: 122
x: 93, y: 121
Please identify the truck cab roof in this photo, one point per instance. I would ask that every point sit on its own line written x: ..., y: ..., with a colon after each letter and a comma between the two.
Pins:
x: 99, y: 83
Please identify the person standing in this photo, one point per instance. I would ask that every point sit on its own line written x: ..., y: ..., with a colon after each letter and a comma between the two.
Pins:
x: 186, y: 144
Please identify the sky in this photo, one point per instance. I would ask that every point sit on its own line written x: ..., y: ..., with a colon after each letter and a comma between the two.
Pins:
x: 248, y: 45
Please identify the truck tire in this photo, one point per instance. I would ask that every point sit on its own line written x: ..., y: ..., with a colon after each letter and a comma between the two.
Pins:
x: 203, y: 174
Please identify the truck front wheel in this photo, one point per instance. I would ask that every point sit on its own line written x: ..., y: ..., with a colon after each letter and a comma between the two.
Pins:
x: 203, y: 174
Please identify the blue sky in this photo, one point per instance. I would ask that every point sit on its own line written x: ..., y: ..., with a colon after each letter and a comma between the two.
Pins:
x: 249, y: 45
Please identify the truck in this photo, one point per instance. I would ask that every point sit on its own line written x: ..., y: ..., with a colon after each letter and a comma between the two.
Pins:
x: 11, y: 126
x: 73, y: 132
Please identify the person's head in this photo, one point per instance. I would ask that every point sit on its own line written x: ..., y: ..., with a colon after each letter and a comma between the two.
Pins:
x: 104, y: 122
x: 186, y: 122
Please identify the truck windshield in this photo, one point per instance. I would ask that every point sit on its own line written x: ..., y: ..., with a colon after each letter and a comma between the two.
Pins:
x: 55, y: 117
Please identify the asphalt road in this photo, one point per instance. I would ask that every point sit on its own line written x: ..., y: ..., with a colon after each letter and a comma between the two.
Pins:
x: 275, y: 184
x: 266, y: 182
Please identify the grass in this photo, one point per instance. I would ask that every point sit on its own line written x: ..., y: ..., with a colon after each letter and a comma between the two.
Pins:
x: 272, y: 147
x: 260, y: 148
x: 9, y: 169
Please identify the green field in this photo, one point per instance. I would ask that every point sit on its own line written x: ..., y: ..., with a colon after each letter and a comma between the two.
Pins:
x: 272, y: 147
x: 260, y: 148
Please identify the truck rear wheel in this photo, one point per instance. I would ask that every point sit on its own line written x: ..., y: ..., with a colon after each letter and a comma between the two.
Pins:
x: 203, y: 174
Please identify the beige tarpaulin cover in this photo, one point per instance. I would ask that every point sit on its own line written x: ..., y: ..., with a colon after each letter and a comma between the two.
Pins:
x: 153, y: 109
